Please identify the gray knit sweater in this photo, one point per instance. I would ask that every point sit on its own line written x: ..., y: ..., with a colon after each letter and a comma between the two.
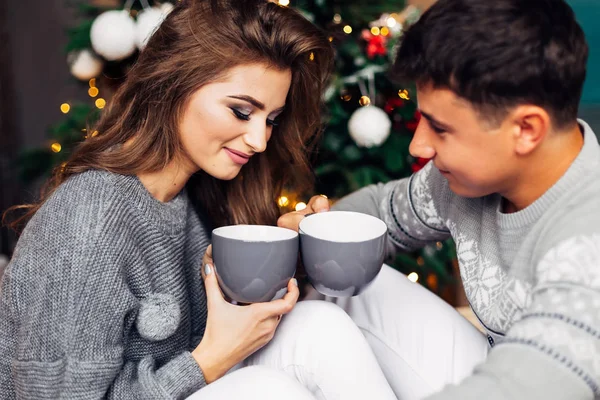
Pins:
x: 103, y: 298
x: 532, y: 277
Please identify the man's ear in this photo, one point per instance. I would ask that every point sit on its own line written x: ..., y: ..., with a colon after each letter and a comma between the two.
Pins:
x: 530, y: 126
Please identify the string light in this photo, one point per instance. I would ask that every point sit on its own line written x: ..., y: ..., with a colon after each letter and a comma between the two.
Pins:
x: 322, y: 195
x: 100, y: 103
x: 284, y: 2
x: 403, y: 94
x: 432, y: 281
x: 346, y: 97
x: 385, y: 31
x: 348, y: 29
x: 439, y: 245
x: 56, y: 147
x: 413, y: 277
x: 420, y: 261
x: 375, y: 31
x: 92, y: 82
x: 95, y: 133
x: 337, y: 18
x: 93, y: 91
x: 391, y: 22
x: 364, y: 101
x: 331, y: 38
x: 65, y: 108
x: 312, y: 56
x: 283, y: 201
x: 300, y: 206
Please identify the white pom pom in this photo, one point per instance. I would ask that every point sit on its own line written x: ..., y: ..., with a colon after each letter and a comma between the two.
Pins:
x: 85, y: 65
x: 148, y: 22
x: 369, y: 126
x: 158, y: 317
x: 113, y: 35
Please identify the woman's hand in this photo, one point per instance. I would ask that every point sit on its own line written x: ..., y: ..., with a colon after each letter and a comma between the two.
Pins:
x: 292, y: 219
x: 235, y: 332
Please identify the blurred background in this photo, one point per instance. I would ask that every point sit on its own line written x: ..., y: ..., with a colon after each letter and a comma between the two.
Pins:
x: 63, y: 59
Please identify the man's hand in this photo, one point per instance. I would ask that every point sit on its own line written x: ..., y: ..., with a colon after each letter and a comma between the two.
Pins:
x: 292, y: 220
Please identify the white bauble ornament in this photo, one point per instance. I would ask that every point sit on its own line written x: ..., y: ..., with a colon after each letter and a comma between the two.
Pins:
x: 113, y: 35
x: 166, y: 8
x: 369, y: 126
x: 148, y: 22
x: 85, y: 65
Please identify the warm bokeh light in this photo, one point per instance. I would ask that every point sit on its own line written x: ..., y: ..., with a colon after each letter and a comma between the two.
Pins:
x: 56, y: 147
x: 300, y: 206
x: 100, y: 103
x: 283, y: 201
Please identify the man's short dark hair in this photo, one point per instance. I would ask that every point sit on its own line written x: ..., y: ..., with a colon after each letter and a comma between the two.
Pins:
x: 498, y: 54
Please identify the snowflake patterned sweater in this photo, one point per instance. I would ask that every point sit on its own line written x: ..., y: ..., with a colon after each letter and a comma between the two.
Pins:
x: 531, y: 277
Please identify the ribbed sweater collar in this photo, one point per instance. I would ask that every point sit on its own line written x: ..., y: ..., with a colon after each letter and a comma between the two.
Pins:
x: 169, y: 217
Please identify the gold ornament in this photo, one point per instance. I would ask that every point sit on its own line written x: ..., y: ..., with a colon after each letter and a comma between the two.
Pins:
x: 364, y: 101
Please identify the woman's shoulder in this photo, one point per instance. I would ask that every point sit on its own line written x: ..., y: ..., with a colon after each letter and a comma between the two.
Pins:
x: 69, y: 229
x: 79, y: 204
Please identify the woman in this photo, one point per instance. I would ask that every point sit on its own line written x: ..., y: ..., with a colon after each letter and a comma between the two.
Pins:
x: 103, y: 297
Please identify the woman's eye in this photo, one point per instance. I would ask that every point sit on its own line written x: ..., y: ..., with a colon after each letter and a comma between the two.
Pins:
x: 272, y: 122
x: 240, y: 115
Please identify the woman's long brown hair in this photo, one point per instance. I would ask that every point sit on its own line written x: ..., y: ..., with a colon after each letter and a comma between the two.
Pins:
x: 197, y: 44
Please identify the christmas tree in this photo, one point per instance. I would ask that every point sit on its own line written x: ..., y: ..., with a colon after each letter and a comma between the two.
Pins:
x: 369, y: 120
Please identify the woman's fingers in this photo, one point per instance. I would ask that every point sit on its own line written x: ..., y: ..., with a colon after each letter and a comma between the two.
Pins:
x: 213, y: 291
x: 284, y: 305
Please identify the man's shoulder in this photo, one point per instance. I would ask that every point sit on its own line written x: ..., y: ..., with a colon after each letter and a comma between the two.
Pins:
x: 575, y: 215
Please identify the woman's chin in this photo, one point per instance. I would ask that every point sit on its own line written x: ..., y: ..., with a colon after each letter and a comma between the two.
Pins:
x: 224, y: 175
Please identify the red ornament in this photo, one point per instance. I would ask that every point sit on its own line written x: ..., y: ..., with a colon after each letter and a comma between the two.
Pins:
x: 393, y: 103
x: 376, y: 46
x: 412, y: 124
x: 419, y: 164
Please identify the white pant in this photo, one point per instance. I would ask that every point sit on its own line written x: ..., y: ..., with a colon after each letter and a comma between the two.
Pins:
x: 415, y: 344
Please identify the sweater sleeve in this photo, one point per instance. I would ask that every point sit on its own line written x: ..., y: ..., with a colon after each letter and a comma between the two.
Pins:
x: 412, y: 208
x: 65, y: 312
x: 553, y: 351
x: 7, y: 338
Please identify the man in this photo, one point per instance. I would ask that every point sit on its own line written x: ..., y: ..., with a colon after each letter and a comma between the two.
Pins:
x: 514, y: 179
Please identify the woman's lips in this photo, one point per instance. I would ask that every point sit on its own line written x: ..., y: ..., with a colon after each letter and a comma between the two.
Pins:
x: 237, y: 156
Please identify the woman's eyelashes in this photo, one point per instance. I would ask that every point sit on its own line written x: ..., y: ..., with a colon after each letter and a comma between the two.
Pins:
x: 245, y: 116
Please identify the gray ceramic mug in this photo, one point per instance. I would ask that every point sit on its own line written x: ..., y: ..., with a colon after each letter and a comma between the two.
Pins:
x: 342, y: 251
x: 254, y: 263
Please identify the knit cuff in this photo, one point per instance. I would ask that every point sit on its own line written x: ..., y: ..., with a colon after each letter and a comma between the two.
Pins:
x: 181, y: 376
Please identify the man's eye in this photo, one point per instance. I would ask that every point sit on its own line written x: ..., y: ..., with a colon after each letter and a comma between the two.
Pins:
x: 240, y: 115
x: 437, y: 129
